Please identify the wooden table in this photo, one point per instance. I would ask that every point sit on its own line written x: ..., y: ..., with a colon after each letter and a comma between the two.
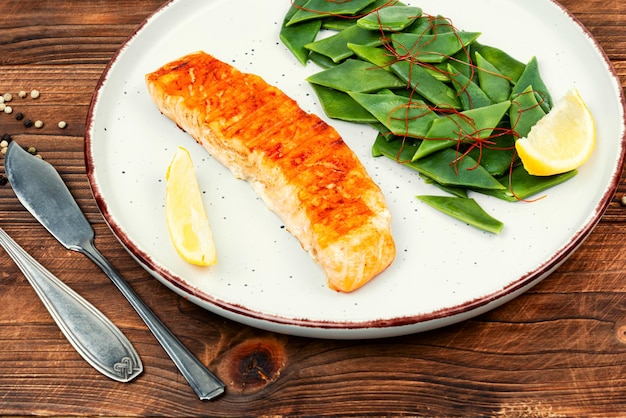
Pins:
x: 558, y: 350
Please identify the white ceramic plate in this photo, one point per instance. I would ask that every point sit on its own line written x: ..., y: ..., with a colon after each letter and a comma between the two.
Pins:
x: 444, y: 272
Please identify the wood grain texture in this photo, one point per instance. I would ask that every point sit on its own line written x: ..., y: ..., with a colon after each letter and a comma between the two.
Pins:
x: 559, y: 350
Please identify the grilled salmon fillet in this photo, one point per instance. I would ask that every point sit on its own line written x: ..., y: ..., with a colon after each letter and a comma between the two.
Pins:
x: 297, y: 163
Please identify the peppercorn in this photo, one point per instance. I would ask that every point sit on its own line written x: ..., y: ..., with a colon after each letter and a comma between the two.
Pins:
x: 8, y: 109
x: 22, y: 93
x: 38, y: 124
x: 3, y: 180
x: 7, y: 97
x: 32, y: 150
x: 28, y: 123
x: 19, y: 116
x: 62, y: 124
x: 7, y: 137
x: 34, y: 94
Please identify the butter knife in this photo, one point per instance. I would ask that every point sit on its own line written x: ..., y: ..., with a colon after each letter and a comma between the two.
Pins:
x: 91, y: 333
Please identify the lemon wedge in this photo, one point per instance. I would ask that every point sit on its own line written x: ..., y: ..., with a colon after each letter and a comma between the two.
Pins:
x: 187, y: 221
x: 561, y: 141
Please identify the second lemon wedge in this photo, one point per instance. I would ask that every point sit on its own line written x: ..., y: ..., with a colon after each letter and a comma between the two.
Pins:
x: 562, y: 140
x: 186, y: 217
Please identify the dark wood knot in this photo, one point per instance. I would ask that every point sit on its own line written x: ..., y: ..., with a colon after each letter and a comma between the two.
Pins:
x: 255, y: 363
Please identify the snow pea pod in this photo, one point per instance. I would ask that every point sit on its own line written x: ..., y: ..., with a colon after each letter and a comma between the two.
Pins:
x: 356, y: 76
x: 337, y: 24
x: 379, y: 4
x: 520, y: 185
x: 446, y: 167
x: 525, y: 112
x: 339, y: 105
x: 506, y: 64
x: 455, y: 191
x: 463, y: 62
x: 470, y: 94
x: 318, y: 9
x: 376, y: 55
x: 383, y: 132
x: 402, y: 116
x: 423, y: 82
x: 431, y: 48
x: 532, y: 77
x: 439, y: 72
x: 322, y: 60
x: 421, y: 26
x: 297, y: 36
x: 383, y: 58
x: 391, y: 18
x: 466, y: 210
x: 441, y: 24
x: 470, y: 125
x: 402, y: 92
x: 496, y: 158
x: 373, y: 7
x: 397, y: 148
x: 491, y: 81
x: 336, y: 46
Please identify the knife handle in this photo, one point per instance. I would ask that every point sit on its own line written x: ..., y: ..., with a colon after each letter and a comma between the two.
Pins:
x: 204, y: 383
x: 91, y: 333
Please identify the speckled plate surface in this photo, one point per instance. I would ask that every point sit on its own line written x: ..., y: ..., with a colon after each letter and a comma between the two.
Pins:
x: 444, y: 272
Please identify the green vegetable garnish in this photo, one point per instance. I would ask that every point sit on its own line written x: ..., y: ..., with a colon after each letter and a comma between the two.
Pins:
x: 393, y: 18
x: 443, y: 104
x: 466, y: 210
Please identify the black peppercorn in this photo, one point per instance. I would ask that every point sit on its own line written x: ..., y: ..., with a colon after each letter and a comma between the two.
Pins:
x: 7, y: 137
x: 3, y: 180
x: 28, y: 123
x: 19, y: 116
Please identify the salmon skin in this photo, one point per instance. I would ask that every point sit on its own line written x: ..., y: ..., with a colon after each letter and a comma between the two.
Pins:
x: 298, y: 164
